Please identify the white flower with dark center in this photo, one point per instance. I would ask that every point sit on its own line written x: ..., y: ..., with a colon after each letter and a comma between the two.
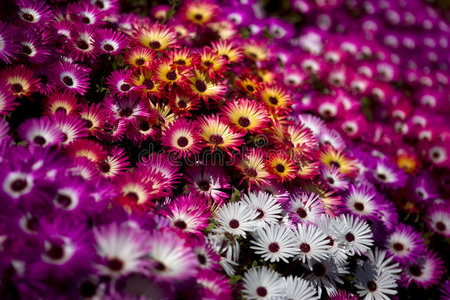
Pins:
x: 122, y: 248
x: 361, y: 201
x: 325, y: 274
x: 267, y: 207
x: 383, y: 262
x: 354, y: 233
x: 236, y: 218
x: 17, y: 184
x: 274, y: 242
x: 335, y: 247
x: 300, y: 289
x: 305, y: 207
x: 372, y: 285
x: 312, y: 243
x: 263, y: 283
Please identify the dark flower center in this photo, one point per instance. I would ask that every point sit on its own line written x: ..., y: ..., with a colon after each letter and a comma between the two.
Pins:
x: 200, y: 85
x: 304, y: 247
x: 125, y: 87
x: 63, y: 200
x: 83, y: 45
x: 280, y: 168
x: 43, y: 78
x: 204, y: 185
x: 68, y: 81
x: 381, y: 176
x: 198, y: 17
x: 100, y: 4
x: 302, y: 213
x: 201, y: 259
x: 216, y: 139
x: 108, y: 47
x: 398, y: 247
x: 126, y: 112
x: 180, y: 224
x: 39, y: 140
x: 349, y: 129
x: 181, y: 62
x: 85, y: 20
x: 18, y: 185
x: 244, y: 121
x: 234, y: 224
x: 260, y: 214
x: 55, y: 252
x: 420, y: 194
x: 182, y: 142
x: 104, y: 167
x: 88, y: 289
x: 261, y: 291
x: 144, y: 126
x: 133, y: 196
x: 250, y: 88
x: 359, y: 206
x: 16, y: 88
x: 415, y: 270
x: 182, y: 104
x: 435, y: 155
x: 440, y: 226
x: 372, y: 286
x: 273, y: 100
x: 155, y: 45
x: 171, y: 75
x: 26, y: 50
x: 28, y: 17
x: 160, y: 266
x: 88, y: 123
x: 149, y: 84
x: 32, y: 224
x: 140, y: 61
x: 274, y: 247
x: 251, y: 172
x: 350, y: 237
x: 330, y: 180
x: 319, y: 269
x: 115, y: 264
x: 330, y: 241
x: 335, y: 164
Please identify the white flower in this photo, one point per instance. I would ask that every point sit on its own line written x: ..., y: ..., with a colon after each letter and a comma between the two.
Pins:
x: 384, y: 263
x: 274, y: 242
x: 336, y: 248
x: 373, y: 285
x: 325, y: 274
x: 312, y: 243
x: 354, y: 233
x: 236, y: 218
x: 263, y: 283
x: 300, y: 289
x: 306, y: 207
x: 267, y: 207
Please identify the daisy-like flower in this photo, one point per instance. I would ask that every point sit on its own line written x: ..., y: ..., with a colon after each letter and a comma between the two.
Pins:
x: 305, y: 207
x: 168, y: 75
x: 330, y: 137
x: 269, y: 210
x: 275, y: 98
x: 127, y: 109
x: 263, y: 283
x: 86, y: 13
x: 188, y: 213
x: 256, y: 50
x: 404, y: 243
x: 236, y: 218
x: 7, y: 103
x: 63, y: 101
x: 212, y: 64
x: 42, y: 132
x: 71, y: 126
x: 438, y: 219
x: 214, y: 285
x: 339, y: 160
x: 110, y: 41
x: 140, y: 57
x: 157, y: 37
x: 199, y: 12
x: 374, y: 286
x: 252, y: 167
x: 170, y: 258
x: 388, y: 175
x: 120, y: 82
x: 354, y: 233
x: 8, y: 48
x: 182, y: 102
x: 274, y: 242
x: 300, y: 289
x: 184, y: 58
x: 108, y: 7
x: 33, y: 12
x: 382, y: 262
x: 216, y: 134
x: 114, y: 164
x: 311, y: 242
x: 334, y: 178
x: 34, y: 46
x: 281, y: 166
x: 146, y: 84
x: 19, y: 80
x: 137, y: 189
x: 93, y: 116
x: 298, y: 139
x: 325, y: 274
x: 83, y: 42
x: 208, y: 182
x: 204, y: 88
x: 122, y: 249
x: 248, y: 84
x: 182, y: 138
x: 425, y: 271
x: 72, y: 77
x: 245, y: 115
x: 362, y: 200
x: 228, y: 50
x: 86, y: 148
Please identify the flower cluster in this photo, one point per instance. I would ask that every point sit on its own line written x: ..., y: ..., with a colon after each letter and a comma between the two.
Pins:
x: 206, y: 150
